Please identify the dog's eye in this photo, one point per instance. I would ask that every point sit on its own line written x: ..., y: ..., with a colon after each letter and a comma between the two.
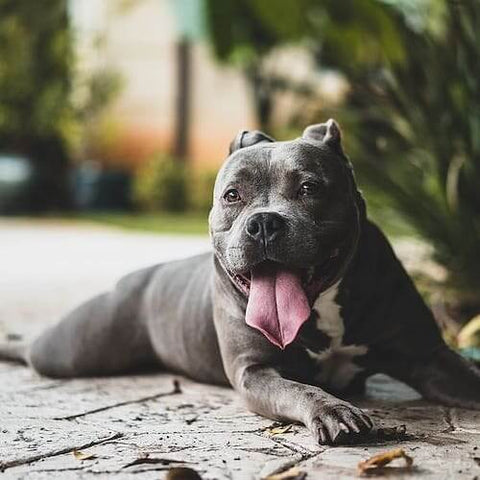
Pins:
x: 307, y: 189
x: 231, y: 196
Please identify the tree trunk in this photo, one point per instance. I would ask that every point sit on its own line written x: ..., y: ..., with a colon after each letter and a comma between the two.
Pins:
x: 262, y: 96
x: 182, y: 104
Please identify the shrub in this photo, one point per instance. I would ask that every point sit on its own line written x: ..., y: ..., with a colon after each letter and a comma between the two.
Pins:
x: 161, y: 184
x: 418, y: 128
x: 202, y: 192
x: 413, y: 127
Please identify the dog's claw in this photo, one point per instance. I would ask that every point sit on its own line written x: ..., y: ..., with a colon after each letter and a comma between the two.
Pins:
x: 339, y: 423
x: 344, y: 428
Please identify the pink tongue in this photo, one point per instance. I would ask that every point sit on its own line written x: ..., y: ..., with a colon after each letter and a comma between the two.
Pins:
x: 277, y: 304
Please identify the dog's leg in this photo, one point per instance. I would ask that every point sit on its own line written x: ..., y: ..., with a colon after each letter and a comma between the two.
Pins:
x: 445, y: 377
x: 104, y: 336
x: 403, y: 337
x: 254, y: 368
x: 328, y: 418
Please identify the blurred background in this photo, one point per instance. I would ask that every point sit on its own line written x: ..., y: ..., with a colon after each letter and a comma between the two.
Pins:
x: 119, y: 112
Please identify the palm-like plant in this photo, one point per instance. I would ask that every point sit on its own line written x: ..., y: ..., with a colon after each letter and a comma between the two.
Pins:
x: 413, y: 109
x: 418, y: 136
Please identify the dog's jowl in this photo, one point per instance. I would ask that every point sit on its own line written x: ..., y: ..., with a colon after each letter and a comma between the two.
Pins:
x: 301, y: 300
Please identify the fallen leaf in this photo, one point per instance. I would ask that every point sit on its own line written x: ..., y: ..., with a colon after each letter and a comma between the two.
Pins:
x: 293, y: 473
x: 279, y: 429
x: 382, y: 459
x: 191, y: 419
x: 182, y: 473
x: 469, y: 335
x: 79, y: 455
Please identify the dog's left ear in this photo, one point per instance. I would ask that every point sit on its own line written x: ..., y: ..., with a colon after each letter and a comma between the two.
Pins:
x: 328, y: 133
x: 246, y: 138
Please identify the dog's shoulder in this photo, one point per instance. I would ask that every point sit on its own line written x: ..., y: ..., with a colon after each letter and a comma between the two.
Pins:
x: 374, y: 266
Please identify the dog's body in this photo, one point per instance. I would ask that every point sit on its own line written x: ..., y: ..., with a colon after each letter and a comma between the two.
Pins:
x: 302, y: 296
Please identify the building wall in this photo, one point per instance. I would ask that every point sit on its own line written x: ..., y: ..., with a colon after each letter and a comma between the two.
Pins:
x: 138, y: 41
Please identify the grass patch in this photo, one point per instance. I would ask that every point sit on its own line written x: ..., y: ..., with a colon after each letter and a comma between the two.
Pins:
x: 186, y: 223
x: 194, y: 223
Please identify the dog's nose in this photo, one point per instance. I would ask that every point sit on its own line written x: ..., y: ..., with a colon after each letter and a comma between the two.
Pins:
x: 265, y: 226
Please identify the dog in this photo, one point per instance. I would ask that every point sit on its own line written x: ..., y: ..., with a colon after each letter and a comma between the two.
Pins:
x: 301, y: 300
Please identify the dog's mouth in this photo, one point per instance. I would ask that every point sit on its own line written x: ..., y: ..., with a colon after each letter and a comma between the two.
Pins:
x: 280, y: 296
x: 313, y: 279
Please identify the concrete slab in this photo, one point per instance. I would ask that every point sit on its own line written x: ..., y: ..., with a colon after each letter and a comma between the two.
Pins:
x: 137, y: 427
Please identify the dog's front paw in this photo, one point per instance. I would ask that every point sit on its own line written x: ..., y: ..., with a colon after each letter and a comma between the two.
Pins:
x: 338, y: 423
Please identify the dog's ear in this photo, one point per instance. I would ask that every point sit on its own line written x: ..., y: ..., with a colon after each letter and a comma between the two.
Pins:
x: 246, y: 138
x: 328, y: 133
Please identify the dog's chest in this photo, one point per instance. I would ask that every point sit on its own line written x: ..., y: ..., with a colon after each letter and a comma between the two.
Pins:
x: 335, y: 361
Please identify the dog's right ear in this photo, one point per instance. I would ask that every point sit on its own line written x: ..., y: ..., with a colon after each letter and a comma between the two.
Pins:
x: 246, y: 138
x: 328, y: 133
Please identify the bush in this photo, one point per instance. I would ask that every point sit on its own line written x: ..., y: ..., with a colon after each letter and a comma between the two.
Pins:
x: 415, y: 138
x: 161, y: 184
x: 202, y: 193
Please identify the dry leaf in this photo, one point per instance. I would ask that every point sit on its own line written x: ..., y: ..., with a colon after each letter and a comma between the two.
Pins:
x: 278, y: 430
x: 293, y: 473
x: 469, y: 335
x: 382, y: 459
x: 79, y: 455
x: 182, y: 473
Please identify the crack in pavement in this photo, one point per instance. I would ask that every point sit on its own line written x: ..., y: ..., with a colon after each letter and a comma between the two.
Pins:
x: 175, y: 391
x: 27, y: 460
x: 283, y: 463
x: 293, y: 447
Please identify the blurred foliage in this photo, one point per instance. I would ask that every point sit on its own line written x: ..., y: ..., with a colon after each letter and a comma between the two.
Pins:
x: 469, y: 335
x: 412, y: 115
x: 417, y: 133
x: 201, y: 197
x: 43, y: 100
x: 35, y: 112
x: 361, y: 31
x: 165, y: 184
x: 244, y: 32
x: 161, y: 185
x: 35, y: 65
x: 99, y: 90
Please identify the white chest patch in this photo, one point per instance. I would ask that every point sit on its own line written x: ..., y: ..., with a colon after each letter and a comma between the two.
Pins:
x: 336, y: 362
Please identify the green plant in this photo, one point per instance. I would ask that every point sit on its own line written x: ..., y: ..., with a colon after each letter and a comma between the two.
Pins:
x: 412, y: 117
x: 44, y: 100
x: 161, y: 184
x: 202, y: 191
x: 35, y: 86
x: 417, y: 135
x: 245, y: 32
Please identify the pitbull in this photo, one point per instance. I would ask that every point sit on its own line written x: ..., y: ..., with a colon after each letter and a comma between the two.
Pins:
x: 302, y: 299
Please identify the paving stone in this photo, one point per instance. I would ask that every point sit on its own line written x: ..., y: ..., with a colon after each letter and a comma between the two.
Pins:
x: 76, y: 398
x: 123, y: 419
x: 466, y: 421
x: 24, y: 440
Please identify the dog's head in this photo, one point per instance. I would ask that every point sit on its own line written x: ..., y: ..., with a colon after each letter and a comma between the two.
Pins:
x: 285, y: 222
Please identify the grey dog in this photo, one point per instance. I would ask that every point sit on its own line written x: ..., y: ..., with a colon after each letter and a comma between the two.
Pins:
x: 301, y: 300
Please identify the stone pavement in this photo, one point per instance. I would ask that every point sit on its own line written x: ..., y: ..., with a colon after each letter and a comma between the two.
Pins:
x: 137, y: 427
